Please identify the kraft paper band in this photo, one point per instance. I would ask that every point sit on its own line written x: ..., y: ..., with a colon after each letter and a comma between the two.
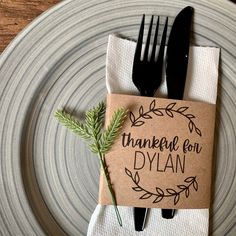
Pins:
x: 162, y: 157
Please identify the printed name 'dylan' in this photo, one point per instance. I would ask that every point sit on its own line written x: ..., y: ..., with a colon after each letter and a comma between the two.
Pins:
x: 157, y: 162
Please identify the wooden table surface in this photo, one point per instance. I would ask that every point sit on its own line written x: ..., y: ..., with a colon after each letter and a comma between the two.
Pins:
x: 16, y: 14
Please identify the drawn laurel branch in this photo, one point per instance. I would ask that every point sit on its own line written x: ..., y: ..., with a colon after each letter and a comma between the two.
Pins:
x: 169, y: 110
x: 160, y: 194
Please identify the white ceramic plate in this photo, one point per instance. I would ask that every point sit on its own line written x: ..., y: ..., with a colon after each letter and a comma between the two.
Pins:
x: 48, y: 179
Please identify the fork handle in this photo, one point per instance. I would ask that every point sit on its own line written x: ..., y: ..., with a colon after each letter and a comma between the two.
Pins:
x: 140, y: 215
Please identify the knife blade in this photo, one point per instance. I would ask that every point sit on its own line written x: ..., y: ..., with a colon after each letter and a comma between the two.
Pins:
x: 177, y: 54
x: 177, y: 64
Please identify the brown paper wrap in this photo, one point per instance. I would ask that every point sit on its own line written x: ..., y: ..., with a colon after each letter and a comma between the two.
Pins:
x: 162, y: 157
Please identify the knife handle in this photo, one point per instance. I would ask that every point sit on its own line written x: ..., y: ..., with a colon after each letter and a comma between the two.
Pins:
x: 168, y: 213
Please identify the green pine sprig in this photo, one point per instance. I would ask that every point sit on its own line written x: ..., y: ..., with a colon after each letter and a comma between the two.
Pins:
x: 100, y: 141
x: 72, y: 124
x: 112, y: 130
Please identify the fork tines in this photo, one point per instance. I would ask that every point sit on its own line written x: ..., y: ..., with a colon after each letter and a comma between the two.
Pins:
x: 138, y: 51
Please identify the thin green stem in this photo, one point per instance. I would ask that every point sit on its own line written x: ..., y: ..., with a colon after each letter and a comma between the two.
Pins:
x: 109, y: 185
x: 107, y: 177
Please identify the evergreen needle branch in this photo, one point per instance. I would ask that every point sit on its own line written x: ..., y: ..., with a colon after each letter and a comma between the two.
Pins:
x: 109, y: 136
x: 99, y: 141
x: 72, y: 124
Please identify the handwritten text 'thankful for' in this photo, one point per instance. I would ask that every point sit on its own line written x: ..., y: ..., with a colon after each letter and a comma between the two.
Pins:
x: 160, y: 144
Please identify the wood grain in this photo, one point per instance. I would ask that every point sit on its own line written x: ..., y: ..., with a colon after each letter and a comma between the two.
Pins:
x: 16, y: 14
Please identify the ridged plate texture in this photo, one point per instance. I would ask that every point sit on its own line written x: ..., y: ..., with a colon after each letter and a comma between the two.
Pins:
x: 48, y: 178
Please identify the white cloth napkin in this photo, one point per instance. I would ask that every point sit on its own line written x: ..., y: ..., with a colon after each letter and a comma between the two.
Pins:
x: 201, y: 85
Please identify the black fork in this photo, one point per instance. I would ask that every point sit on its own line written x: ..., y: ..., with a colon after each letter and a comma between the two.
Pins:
x: 147, y: 71
x: 147, y: 76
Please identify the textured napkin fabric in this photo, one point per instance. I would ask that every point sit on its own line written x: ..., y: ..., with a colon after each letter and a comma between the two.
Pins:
x: 201, y: 85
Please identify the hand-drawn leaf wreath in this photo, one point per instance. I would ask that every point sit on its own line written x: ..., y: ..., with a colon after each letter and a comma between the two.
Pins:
x: 169, y: 110
x: 160, y: 194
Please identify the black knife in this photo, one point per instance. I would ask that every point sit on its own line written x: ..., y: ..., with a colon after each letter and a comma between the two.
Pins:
x: 177, y: 63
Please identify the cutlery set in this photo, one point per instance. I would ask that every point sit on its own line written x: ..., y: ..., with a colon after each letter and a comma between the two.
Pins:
x: 147, y: 73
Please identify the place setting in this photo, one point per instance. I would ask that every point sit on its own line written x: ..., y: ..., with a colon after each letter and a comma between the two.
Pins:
x: 118, y: 118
